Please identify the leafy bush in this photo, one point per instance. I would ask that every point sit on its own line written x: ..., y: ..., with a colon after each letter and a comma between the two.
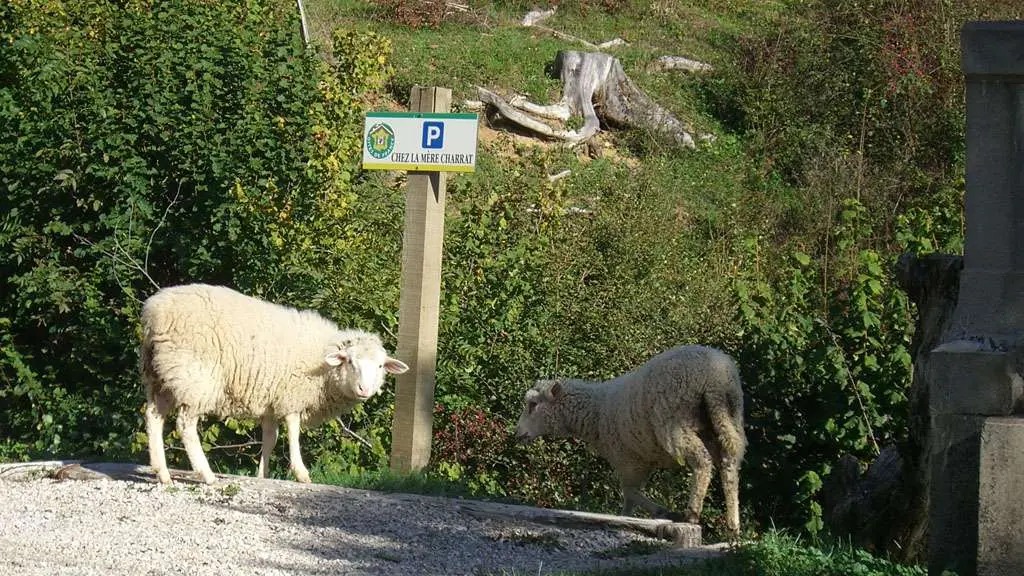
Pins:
x: 148, y: 145
x: 826, y: 365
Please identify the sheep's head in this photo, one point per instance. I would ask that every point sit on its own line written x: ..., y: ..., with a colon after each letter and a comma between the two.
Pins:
x: 359, y: 367
x: 540, y: 417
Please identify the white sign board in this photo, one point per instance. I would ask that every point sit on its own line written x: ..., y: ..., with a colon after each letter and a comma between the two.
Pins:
x: 420, y: 141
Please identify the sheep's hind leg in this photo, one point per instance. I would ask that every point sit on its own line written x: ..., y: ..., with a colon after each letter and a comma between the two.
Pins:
x: 269, y: 424
x: 730, y: 474
x: 188, y: 427
x: 156, y: 412
x: 687, y: 448
x: 292, y: 421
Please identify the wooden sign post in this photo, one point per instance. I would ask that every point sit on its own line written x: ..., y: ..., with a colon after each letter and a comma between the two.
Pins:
x: 427, y: 141
x: 422, y: 244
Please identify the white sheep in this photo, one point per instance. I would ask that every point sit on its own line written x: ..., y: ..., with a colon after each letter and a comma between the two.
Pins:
x: 684, y: 406
x: 211, y: 350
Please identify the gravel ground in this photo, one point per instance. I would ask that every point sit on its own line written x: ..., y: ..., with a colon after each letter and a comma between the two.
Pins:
x: 273, y: 527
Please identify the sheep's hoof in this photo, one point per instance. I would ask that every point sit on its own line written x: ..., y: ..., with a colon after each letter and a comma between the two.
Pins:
x: 302, y: 476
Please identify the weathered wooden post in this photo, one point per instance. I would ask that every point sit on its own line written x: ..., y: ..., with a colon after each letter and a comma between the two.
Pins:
x: 977, y: 455
x: 428, y: 142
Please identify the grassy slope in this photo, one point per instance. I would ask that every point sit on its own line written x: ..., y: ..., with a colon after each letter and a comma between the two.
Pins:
x: 702, y: 200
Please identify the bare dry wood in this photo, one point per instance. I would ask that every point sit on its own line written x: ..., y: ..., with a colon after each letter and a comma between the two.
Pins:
x: 534, y: 18
x: 681, y: 63
x: 82, y: 470
x: 594, y: 86
x: 681, y: 533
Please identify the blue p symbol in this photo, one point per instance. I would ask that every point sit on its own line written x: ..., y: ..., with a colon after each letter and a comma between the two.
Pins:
x: 433, y: 134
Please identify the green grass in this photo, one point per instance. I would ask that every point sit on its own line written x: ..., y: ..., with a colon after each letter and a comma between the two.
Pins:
x: 384, y: 480
x: 487, y: 47
x: 778, y: 554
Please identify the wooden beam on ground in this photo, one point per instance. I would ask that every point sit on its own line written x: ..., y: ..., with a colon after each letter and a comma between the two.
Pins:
x: 422, y: 245
x: 681, y: 533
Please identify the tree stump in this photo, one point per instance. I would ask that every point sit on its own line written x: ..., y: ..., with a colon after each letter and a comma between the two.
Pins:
x: 596, y: 87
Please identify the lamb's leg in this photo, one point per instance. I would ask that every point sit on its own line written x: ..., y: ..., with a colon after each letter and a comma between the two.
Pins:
x: 269, y: 424
x: 687, y: 448
x: 156, y: 412
x: 632, y: 478
x: 188, y: 424
x: 730, y: 474
x: 292, y: 421
x: 726, y: 417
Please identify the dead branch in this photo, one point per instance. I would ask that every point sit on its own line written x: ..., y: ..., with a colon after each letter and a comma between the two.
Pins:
x: 556, y: 177
x: 513, y: 115
x: 534, y: 17
x: 353, y: 434
x: 681, y: 63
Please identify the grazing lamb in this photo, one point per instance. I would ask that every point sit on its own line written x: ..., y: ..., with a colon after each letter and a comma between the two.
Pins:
x: 683, y: 406
x: 211, y: 350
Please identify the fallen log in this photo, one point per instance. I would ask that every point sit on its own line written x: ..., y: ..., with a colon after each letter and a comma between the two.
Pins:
x: 681, y: 533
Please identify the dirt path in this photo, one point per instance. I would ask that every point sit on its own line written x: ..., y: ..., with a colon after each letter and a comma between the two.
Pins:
x: 274, y: 527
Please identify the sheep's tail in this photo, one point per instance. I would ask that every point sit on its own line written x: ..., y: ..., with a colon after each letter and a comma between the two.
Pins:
x: 725, y: 411
x: 146, y: 369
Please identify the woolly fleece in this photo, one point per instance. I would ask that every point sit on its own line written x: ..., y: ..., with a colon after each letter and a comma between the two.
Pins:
x: 684, y: 405
x: 212, y: 350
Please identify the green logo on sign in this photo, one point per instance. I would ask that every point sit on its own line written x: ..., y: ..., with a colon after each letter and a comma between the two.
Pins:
x: 380, y: 141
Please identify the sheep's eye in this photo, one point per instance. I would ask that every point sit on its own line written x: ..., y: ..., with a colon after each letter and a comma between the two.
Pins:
x: 530, y: 406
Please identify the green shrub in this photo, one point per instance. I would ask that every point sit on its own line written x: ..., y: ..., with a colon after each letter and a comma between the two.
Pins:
x: 826, y: 366
x: 148, y: 145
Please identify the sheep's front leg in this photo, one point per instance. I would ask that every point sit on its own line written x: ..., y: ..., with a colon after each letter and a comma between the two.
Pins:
x: 292, y: 421
x: 269, y: 424
x: 188, y: 423
x: 632, y: 478
x: 688, y: 449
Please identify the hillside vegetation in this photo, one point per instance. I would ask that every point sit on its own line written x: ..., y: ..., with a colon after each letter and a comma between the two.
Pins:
x: 148, y: 145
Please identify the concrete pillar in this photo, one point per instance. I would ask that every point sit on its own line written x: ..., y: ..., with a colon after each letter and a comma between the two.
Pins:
x: 974, y: 372
x: 1001, y: 498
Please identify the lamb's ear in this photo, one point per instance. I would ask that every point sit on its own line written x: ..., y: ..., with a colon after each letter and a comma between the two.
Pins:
x: 336, y: 358
x: 394, y: 366
x: 556, y: 391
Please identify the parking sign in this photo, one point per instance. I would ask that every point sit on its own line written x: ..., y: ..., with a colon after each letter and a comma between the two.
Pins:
x: 433, y: 135
x: 420, y: 141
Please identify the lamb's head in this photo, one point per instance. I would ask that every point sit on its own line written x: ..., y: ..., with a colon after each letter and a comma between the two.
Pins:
x: 358, y: 366
x: 541, y: 415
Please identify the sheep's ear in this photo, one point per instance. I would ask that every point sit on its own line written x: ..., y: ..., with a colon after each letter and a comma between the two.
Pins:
x: 556, y: 390
x: 336, y: 358
x: 394, y: 366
